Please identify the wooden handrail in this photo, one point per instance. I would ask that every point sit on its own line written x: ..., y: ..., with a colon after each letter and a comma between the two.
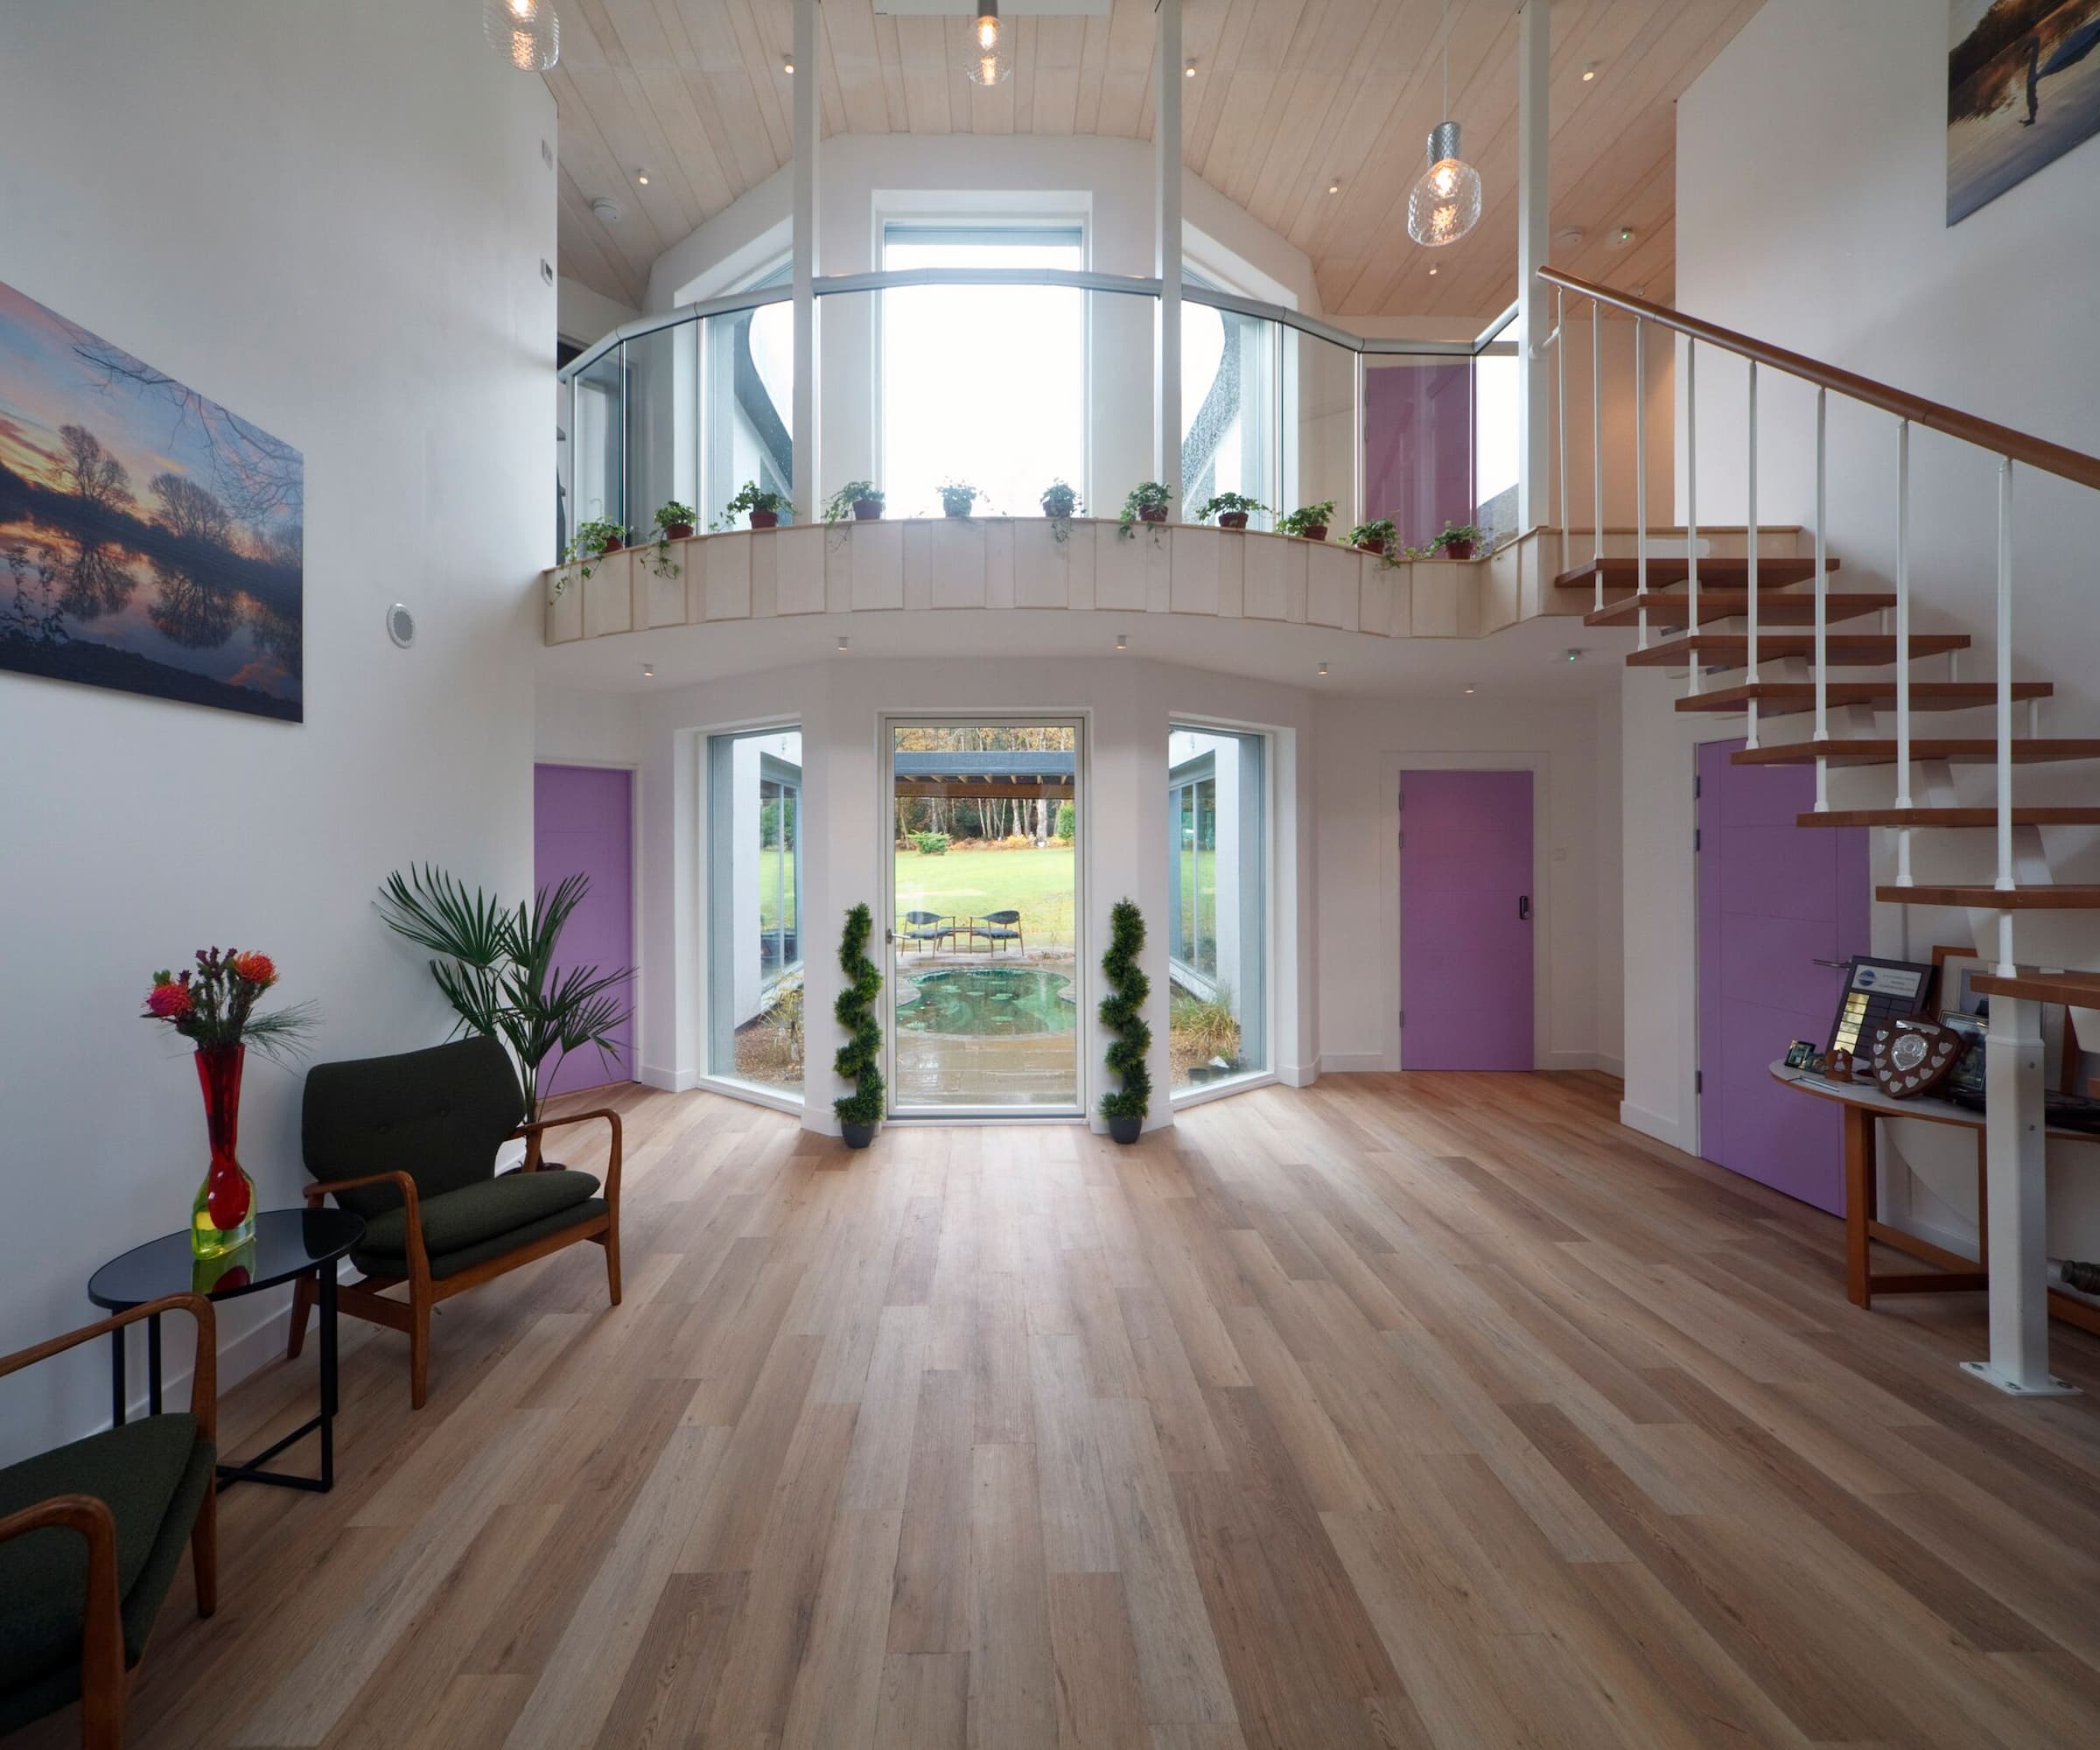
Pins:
x: 2000, y: 440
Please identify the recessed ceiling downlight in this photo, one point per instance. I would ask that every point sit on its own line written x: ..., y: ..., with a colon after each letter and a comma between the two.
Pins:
x: 401, y: 625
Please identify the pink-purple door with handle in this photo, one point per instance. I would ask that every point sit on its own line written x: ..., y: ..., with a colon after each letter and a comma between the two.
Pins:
x: 1778, y: 903
x: 1465, y: 919
x: 582, y: 823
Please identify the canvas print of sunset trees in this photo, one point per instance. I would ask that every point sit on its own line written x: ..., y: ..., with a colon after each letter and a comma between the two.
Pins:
x: 2023, y: 88
x: 149, y: 540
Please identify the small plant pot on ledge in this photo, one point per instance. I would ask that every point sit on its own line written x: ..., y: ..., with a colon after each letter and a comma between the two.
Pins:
x: 867, y: 510
x: 1125, y: 1131
x: 856, y: 1135
x: 1456, y: 549
x: 1376, y: 549
x: 1232, y: 519
x: 677, y: 531
x: 765, y: 519
x: 1314, y: 531
x: 1151, y: 513
x: 612, y: 545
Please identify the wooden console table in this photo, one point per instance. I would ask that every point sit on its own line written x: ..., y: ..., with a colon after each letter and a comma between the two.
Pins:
x: 1863, y: 1102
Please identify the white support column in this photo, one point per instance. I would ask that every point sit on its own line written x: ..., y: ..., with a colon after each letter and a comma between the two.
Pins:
x: 1166, y: 252
x: 2016, y: 1201
x: 1533, y: 238
x: 803, y: 413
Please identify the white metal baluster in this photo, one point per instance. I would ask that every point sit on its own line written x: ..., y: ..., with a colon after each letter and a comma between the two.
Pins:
x: 2005, y: 883
x: 1560, y: 407
x: 1822, y: 585
x: 1750, y: 738
x: 1691, y: 511
x: 1641, y: 478
x: 1903, y: 877
x: 1597, y: 434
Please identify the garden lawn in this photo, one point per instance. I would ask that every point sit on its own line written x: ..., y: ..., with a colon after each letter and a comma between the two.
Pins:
x: 967, y: 883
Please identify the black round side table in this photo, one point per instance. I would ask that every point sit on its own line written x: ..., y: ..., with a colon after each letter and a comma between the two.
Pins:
x: 288, y: 1244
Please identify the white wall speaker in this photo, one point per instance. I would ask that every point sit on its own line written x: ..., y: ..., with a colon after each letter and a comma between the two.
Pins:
x: 401, y: 625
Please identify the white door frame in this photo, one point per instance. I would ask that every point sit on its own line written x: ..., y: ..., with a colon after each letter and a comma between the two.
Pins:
x: 1081, y: 722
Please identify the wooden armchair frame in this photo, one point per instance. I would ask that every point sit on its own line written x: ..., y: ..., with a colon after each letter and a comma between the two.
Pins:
x: 366, y: 1297
x: 104, y: 1678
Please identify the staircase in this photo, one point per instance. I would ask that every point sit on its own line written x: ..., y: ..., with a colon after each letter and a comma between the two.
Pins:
x: 1823, y: 675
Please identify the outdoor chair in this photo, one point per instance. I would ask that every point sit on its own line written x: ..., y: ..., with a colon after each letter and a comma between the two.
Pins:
x: 929, y: 929
x: 91, y: 1535
x: 409, y: 1143
x: 1000, y: 927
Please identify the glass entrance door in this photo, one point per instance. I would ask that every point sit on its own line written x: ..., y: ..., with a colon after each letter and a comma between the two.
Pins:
x: 984, y: 987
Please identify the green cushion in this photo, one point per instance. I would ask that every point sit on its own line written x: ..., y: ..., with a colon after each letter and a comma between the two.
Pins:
x: 487, y: 1211
x: 438, y: 1116
x: 143, y: 1471
x: 466, y: 1256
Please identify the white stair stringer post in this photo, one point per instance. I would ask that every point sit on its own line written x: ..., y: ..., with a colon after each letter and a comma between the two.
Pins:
x: 2016, y: 1202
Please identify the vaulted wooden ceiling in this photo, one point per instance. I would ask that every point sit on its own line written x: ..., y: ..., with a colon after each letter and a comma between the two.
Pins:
x: 1290, y: 97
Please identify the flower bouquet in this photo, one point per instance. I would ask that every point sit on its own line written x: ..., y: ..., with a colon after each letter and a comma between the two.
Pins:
x: 214, y: 1005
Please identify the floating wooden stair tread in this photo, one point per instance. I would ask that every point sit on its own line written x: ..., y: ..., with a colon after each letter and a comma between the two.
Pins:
x: 2080, y: 989
x: 1675, y: 609
x: 1785, y: 698
x: 1728, y: 574
x: 1951, y: 817
x: 1964, y: 750
x: 1988, y: 899
x: 1844, y: 649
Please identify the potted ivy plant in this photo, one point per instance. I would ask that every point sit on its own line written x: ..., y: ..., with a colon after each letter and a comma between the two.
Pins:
x: 958, y: 497
x: 862, y: 500
x: 753, y: 501
x: 859, y: 1061
x: 1379, y: 537
x: 1122, y: 1013
x: 1309, y: 522
x: 673, y: 521
x: 1059, y: 500
x: 594, y: 540
x: 1457, y: 541
x: 1230, y: 508
x: 1145, y: 502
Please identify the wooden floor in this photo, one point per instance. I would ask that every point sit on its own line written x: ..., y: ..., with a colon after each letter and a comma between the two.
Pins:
x: 1434, y: 1410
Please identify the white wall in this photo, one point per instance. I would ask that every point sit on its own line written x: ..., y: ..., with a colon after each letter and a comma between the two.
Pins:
x: 1811, y: 213
x: 1364, y: 744
x: 337, y: 233
x: 583, y: 316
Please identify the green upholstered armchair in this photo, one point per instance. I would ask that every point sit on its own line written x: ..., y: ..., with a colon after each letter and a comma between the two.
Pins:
x: 90, y: 1537
x: 409, y: 1143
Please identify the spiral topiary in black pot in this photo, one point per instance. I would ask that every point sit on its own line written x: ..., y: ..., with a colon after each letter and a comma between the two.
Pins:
x: 859, y: 1060
x: 1123, y: 1010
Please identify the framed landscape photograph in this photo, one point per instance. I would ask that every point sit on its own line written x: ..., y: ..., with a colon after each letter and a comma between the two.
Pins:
x: 150, y: 541
x: 2023, y: 88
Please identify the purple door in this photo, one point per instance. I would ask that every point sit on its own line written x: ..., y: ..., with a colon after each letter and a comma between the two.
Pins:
x: 582, y: 819
x: 1776, y: 899
x: 1465, y: 919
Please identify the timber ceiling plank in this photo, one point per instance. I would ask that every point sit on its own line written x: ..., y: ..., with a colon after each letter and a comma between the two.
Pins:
x: 1288, y: 96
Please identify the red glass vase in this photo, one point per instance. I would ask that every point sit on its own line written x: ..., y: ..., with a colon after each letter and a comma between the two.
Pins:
x: 223, y: 1217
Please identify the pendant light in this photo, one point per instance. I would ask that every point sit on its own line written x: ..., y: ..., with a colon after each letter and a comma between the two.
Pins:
x: 1445, y: 204
x: 987, y: 59
x: 525, y: 32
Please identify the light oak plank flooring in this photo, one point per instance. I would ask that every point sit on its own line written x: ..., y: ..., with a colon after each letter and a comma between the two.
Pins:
x: 1399, y: 1411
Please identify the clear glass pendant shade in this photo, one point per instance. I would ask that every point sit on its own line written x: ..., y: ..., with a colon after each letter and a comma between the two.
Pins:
x: 525, y: 32
x: 987, y: 56
x: 1445, y: 204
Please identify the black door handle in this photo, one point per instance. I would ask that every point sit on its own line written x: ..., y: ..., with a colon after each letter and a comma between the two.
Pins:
x: 1523, y: 906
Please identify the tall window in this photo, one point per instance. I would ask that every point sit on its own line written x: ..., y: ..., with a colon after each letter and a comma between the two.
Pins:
x: 1217, y: 914
x: 747, y: 387
x: 754, y: 871
x: 984, y: 383
x: 1229, y: 379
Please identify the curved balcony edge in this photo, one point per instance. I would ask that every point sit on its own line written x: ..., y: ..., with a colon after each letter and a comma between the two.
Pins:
x: 1006, y: 563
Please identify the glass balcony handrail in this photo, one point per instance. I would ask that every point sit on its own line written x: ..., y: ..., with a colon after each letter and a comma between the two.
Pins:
x: 1127, y: 284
